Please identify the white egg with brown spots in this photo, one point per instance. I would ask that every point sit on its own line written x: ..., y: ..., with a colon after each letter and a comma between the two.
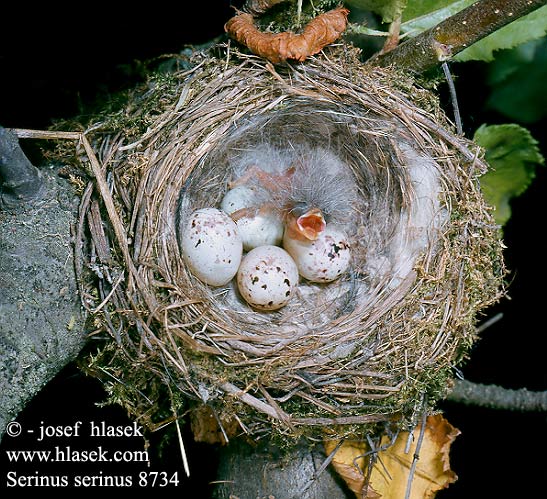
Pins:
x: 238, y: 198
x: 258, y: 226
x: 322, y: 260
x: 260, y: 230
x: 211, y: 246
x: 267, y: 278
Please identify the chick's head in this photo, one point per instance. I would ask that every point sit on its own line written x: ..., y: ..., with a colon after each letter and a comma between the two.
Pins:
x: 322, y: 190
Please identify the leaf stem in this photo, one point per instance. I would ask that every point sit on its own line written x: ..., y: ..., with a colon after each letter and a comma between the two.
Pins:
x: 416, y: 456
x: 453, y: 98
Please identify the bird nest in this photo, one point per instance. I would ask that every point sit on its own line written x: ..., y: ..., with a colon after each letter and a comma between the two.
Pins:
x: 363, y: 349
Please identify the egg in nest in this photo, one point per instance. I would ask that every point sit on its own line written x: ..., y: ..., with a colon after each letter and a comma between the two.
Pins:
x: 258, y: 226
x: 211, y: 246
x: 324, y: 259
x: 267, y: 278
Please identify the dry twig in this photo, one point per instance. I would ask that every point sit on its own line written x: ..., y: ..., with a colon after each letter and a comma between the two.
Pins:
x: 496, y: 397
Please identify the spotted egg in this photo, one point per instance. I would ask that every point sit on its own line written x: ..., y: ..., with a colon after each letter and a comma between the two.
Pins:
x: 211, y: 246
x: 241, y: 196
x: 256, y: 227
x: 267, y: 278
x: 322, y: 260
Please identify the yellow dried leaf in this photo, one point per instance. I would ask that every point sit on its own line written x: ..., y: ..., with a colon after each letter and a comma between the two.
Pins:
x: 349, y: 463
x: 389, y: 476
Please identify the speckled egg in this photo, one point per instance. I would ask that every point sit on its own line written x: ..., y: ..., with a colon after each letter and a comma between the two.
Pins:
x: 256, y: 228
x: 267, y: 278
x: 211, y: 246
x: 322, y: 260
x: 260, y: 230
x: 237, y: 198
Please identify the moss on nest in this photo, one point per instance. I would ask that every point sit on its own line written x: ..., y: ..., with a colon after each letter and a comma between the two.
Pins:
x: 427, y: 253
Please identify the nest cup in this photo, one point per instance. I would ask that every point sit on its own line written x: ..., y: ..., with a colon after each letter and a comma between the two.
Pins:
x: 364, y: 349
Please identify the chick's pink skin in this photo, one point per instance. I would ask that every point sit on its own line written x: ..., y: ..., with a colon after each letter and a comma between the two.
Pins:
x: 267, y: 180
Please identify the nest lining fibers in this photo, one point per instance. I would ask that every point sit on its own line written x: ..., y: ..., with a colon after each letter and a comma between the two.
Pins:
x: 426, y: 257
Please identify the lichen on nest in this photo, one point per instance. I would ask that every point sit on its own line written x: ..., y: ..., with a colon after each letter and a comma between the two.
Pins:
x: 358, y: 351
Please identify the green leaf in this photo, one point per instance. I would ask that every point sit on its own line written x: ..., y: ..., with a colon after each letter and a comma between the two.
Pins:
x: 530, y: 27
x: 419, y: 20
x: 513, y: 155
x: 517, y: 79
x: 388, y: 9
x: 509, y: 62
x: 418, y: 8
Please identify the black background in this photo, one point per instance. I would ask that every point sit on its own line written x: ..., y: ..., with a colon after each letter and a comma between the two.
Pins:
x: 55, y: 63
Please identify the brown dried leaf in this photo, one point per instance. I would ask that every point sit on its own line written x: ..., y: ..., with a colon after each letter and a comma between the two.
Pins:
x: 206, y: 429
x: 389, y: 475
x: 278, y: 47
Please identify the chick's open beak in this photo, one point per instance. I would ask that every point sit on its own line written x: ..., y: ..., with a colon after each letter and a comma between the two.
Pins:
x: 311, y: 224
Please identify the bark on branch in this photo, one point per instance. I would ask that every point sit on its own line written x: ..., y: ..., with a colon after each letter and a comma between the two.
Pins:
x: 496, y: 397
x: 456, y: 33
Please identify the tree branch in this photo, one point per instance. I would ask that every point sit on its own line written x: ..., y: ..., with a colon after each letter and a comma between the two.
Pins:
x: 20, y: 181
x: 456, y: 33
x: 496, y: 397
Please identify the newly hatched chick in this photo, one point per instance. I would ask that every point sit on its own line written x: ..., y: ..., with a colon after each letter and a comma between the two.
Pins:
x: 322, y: 191
x: 306, y: 187
x: 251, y: 199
